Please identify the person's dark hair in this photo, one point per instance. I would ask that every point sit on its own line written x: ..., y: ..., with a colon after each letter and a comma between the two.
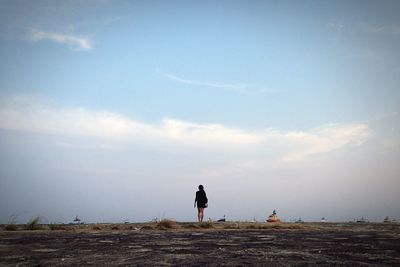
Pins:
x: 201, y: 187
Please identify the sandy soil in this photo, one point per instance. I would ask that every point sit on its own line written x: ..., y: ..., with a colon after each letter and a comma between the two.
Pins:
x: 229, y: 244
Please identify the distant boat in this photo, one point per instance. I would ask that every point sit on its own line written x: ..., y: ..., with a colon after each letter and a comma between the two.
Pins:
x: 299, y: 221
x: 323, y: 219
x: 77, y: 220
x: 387, y: 220
x: 273, y: 218
x: 222, y: 219
x: 362, y: 220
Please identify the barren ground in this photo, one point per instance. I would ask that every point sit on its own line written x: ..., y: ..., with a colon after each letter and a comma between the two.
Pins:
x: 233, y: 244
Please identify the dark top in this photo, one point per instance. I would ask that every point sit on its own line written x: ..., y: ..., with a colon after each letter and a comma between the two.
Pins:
x: 201, y: 199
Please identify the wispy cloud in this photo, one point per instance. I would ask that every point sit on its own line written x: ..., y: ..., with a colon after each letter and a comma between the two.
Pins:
x: 390, y: 30
x: 209, y: 84
x: 75, y: 42
x: 365, y: 53
x: 283, y: 145
x: 337, y: 26
x: 340, y: 27
x: 238, y: 87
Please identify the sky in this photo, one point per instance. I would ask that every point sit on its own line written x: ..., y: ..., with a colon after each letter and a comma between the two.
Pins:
x: 117, y: 110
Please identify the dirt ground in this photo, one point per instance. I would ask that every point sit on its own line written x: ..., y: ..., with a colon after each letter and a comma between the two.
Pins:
x: 221, y: 244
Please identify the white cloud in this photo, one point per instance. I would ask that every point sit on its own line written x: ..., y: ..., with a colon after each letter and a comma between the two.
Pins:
x: 326, y: 138
x: 28, y: 115
x: 75, y: 42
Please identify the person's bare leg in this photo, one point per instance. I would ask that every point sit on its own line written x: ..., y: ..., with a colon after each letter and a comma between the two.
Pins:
x: 201, y: 214
x: 198, y: 214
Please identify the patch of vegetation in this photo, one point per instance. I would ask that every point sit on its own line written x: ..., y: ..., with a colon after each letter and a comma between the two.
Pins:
x: 253, y: 226
x: 289, y: 226
x: 33, y: 224
x: 147, y: 227
x: 296, y: 226
x: 191, y: 226
x: 165, y: 224
x: 57, y: 227
x: 96, y: 228
x: 11, y: 227
x: 115, y: 227
x: 207, y: 225
x: 233, y: 226
x: 12, y: 224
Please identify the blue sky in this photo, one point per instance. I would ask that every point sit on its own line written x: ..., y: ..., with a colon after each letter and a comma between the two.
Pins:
x: 113, y: 109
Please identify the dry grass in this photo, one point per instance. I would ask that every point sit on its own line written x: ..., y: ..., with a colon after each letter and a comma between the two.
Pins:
x: 207, y: 225
x: 147, y: 227
x: 57, y: 227
x: 230, y: 226
x: 33, y: 224
x: 283, y: 226
x: 96, y: 227
x: 165, y: 224
x: 191, y: 226
x: 169, y: 224
x: 11, y: 227
x: 261, y: 225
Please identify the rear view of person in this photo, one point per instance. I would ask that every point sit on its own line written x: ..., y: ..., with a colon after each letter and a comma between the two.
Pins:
x: 202, y: 201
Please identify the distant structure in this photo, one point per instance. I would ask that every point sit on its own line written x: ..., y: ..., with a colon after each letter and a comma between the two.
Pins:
x: 299, y: 221
x: 77, y: 220
x: 273, y: 218
x: 323, y: 219
x: 387, y: 220
x: 362, y: 220
x: 222, y: 219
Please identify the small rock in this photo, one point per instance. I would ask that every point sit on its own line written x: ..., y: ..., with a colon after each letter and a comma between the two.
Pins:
x: 197, y: 234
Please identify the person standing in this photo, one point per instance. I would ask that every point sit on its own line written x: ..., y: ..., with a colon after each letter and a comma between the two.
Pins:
x: 202, y: 202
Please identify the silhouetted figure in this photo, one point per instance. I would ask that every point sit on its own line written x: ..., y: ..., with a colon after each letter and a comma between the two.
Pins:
x: 202, y: 201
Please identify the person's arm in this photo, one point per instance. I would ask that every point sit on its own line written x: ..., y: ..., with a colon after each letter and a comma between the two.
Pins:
x: 195, y: 200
